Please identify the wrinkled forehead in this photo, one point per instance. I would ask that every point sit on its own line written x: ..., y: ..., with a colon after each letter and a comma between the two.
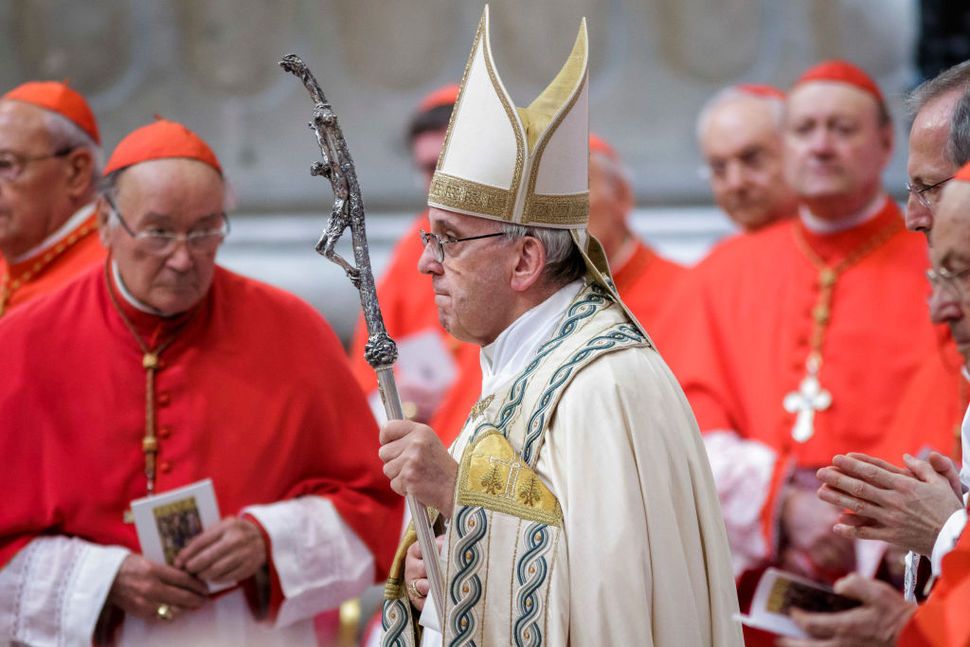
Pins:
x: 20, y: 124
x: 175, y: 185
x: 442, y: 219
x: 830, y: 98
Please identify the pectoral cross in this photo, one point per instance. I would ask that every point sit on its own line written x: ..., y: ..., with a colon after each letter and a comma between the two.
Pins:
x: 809, y: 398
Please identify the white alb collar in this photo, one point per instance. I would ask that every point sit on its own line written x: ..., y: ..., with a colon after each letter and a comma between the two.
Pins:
x: 129, y: 297
x: 516, y: 345
x: 821, y: 226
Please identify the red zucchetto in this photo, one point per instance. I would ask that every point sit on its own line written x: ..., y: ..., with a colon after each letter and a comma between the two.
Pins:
x: 162, y: 139
x: 60, y: 98
x: 444, y: 96
x: 842, y: 72
x: 761, y: 90
x: 599, y: 145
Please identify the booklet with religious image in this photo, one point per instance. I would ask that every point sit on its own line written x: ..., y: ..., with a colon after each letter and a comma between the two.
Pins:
x: 167, y: 522
x: 778, y: 592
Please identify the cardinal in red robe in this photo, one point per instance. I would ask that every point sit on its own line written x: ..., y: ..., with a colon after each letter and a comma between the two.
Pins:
x: 49, y: 146
x: 803, y: 334
x: 154, y: 371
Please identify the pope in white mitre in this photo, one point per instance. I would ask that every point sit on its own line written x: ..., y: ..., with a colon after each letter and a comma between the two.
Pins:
x: 577, y: 506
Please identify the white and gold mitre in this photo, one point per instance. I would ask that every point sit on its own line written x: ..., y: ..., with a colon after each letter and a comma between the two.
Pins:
x: 525, y: 166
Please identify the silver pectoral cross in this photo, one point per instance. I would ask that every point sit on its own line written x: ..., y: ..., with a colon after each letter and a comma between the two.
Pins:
x: 809, y: 398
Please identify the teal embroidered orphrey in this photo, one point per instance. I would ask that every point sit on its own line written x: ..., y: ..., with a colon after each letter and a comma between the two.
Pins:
x: 594, y: 300
x: 530, y: 573
x: 621, y: 335
x: 466, y: 584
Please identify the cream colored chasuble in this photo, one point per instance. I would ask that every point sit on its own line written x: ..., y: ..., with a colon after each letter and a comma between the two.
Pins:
x: 585, y: 512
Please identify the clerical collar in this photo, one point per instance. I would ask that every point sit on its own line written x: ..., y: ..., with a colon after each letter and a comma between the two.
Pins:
x: 130, y: 298
x: 517, y: 345
x: 62, y: 232
x: 818, y: 225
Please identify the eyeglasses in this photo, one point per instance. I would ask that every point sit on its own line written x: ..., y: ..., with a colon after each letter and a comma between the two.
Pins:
x: 438, y: 249
x: 923, y: 193
x: 944, y: 278
x: 162, y: 242
x: 12, y: 164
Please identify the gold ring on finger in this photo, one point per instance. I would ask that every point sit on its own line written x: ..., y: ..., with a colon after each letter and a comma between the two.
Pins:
x: 413, y: 589
x: 164, y: 612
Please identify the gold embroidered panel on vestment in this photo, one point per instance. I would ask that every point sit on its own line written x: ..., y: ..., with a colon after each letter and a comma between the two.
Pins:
x: 493, y: 475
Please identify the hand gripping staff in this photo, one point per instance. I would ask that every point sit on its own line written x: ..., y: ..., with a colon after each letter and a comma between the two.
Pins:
x: 348, y: 211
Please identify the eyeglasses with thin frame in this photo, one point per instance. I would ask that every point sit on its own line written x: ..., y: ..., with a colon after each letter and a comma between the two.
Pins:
x: 438, y: 249
x: 12, y: 163
x: 162, y: 242
x: 943, y: 278
x: 923, y: 193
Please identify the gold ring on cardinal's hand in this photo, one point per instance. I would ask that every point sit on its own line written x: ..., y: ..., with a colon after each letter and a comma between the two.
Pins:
x: 164, y: 612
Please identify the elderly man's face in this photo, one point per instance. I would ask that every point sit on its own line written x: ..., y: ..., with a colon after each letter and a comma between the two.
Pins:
x: 928, y: 166
x: 181, y: 196
x: 741, y: 144
x: 35, y: 202
x: 950, y: 254
x: 835, y: 148
x: 471, y: 286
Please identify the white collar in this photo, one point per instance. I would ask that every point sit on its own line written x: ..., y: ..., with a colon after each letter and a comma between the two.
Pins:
x: 129, y: 297
x: 517, y: 345
x: 822, y: 226
x: 62, y: 232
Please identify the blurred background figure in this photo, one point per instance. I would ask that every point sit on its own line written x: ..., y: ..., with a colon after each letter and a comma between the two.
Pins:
x: 426, y: 368
x: 739, y: 131
x: 50, y: 161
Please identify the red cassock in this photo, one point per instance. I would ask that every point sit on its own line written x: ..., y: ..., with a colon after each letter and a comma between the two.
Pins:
x: 47, y: 276
x: 744, y: 316
x: 254, y: 393
x: 944, y: 619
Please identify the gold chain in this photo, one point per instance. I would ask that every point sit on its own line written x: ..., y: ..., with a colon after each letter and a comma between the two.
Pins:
x: 828, y: 276
x: 8, y: 286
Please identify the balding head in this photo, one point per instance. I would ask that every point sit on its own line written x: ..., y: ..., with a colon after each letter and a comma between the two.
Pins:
x: 740, y: 138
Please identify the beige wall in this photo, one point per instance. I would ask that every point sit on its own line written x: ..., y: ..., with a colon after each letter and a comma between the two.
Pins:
x: 212, y: 64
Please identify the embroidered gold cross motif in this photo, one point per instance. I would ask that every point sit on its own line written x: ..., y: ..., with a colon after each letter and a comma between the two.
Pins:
x: 481, y: 405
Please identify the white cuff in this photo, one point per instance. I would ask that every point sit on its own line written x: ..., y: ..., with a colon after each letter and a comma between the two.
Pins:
x: 947, y: 539
x: 742, y: 471
x: 53, y: 591
x: 319, y: 559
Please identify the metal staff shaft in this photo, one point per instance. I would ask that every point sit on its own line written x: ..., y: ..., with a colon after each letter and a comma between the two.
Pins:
x: 381, y: 351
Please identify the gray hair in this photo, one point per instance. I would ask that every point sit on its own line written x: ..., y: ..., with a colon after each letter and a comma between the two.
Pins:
x: 564, y: 262
x: 65, y: 134
x: 733, y: 93
x: 958, y: 143
x: 953, y: 79
x: 949, y: 80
